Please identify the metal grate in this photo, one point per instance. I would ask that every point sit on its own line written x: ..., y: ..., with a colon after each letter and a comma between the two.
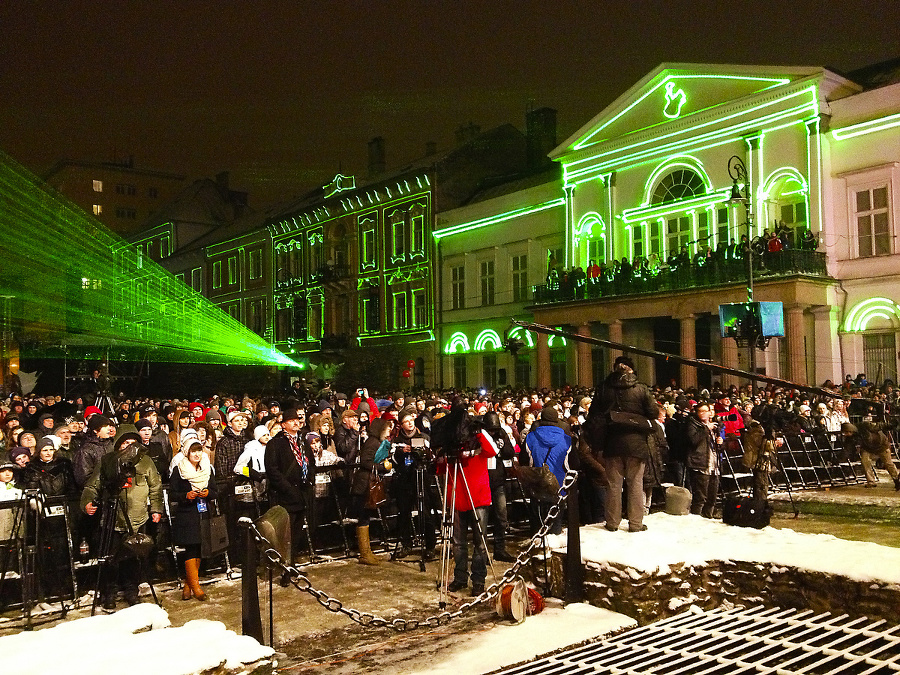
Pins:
x: 735, y: 642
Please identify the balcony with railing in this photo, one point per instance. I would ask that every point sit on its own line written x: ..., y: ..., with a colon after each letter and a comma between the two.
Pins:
x: 684, y: 276
x: 327, y: 274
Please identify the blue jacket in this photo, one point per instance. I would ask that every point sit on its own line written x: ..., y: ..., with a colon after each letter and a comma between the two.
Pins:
x: 549, y: 445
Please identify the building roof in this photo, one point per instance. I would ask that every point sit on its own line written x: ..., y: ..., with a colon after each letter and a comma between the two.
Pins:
x: 120, y: 167
x: 877, y: 74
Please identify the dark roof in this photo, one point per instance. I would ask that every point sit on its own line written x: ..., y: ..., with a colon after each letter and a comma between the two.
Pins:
x: 112, y: 166
x: 497, y: 186
x: 877, y: 74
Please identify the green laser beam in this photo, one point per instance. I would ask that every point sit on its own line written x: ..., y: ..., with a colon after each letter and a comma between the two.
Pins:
x: 70, y: 281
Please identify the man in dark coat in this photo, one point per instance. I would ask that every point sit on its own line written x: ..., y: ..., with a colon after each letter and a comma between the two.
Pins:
x: 291, y: 471
x: 625, y: 452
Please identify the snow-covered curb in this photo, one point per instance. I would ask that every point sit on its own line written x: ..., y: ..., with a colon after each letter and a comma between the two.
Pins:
x: 692, y: 540
x: 136, y: 641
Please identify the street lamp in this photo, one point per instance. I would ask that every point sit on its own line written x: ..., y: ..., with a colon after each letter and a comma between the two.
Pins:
x: 737, y: 170
x: 738, y: 173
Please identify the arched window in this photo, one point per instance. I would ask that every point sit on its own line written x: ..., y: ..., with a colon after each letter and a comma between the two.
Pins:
x: 682, y: 183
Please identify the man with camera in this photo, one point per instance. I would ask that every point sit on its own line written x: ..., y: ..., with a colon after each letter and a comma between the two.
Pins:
x: 703, y: 460
x: 412, y: 483
x: 123, y: 484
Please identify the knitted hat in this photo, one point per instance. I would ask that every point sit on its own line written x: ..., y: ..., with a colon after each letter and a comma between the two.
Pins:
x: 99, y: 421
x: 312, y: 436
x: 143, y: 423
x: 92, y: 410
x: 260, y: 431
x: 18, y: 450
x: 549, y: 414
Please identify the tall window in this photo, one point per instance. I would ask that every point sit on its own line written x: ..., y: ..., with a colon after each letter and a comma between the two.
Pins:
x: 420, y: 311
x: 597, y: 250
x: 489, y: 371
x: 872, y: 222
x: 418, y: 233
x: 164, y: 250
x: 520, y: 278
x: 368, y: 246
x: 197, y: 279
x: 98, y: 186
x: 678, y: 233
x: 400, y: 321
x: 256, y: 316
x: 458, y: 287
x: 256, y: 263
x: 98, y: 209
x: 704, y: 237
x: 722, y: 236
x: 232, y: 270
x: 217, y: 274
x: 459, y: 371
x: 880, y: 356
x: 637, y: 234
x: 487, y: 282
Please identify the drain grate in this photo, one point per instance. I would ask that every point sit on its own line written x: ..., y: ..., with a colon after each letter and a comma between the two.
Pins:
x: 737, y: 642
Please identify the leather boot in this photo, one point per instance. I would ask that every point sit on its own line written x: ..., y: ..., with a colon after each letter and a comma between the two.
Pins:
x: 186, y: 592
x: 192, y: 567
x: 366, y: 557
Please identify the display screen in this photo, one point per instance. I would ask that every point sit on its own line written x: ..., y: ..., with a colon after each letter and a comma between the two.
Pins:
x: 749, y: 319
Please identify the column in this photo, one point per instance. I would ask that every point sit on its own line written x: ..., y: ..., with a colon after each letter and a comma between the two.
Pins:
x: 793, y: 329
x: 729, y: 360
x: 688, y: 349
x: 584, y: 375
x: 543, y: 361
x: 827, y: 346
x: 615, y: 335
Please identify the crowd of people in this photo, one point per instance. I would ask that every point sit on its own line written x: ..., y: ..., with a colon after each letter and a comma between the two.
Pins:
x: 166, y: 464
x: 726, y: 261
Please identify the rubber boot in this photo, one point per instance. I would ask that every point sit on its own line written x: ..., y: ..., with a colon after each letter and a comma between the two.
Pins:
x: 192, y: 567
x: 366, y: 557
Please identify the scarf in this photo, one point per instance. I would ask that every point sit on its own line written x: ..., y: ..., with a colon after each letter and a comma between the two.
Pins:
x: 198, y: 478
x: 299, y: 455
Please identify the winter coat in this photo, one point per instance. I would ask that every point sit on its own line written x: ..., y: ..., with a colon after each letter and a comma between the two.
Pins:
x: 88, y: 457
x: 506, y: 452
x: 287, y: 486
x: 474, y: 470
x: 186, y: 523
x: 228, y: 449
x: 363, y: 468
x: 346, y: 441
x: 620, y: 389
x: 55, y: 478
x: 145, y: 486
x: 701, y: 445
x: 656, y: 463
x: 549, y: 444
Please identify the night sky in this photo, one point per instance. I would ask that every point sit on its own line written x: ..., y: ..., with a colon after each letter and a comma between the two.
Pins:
x: 283, y: 94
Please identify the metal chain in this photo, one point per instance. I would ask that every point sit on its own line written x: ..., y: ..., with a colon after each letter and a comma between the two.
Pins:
x: 302, y: 583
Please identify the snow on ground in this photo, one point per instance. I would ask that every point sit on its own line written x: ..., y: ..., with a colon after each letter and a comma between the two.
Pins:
x: 693, y: 540
x: 108, y: 644
x: 505, y: 645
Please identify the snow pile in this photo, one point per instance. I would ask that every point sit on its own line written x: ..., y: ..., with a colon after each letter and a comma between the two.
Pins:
x: 552, y: 629
x: 697, y: 541
x: 110, y: 644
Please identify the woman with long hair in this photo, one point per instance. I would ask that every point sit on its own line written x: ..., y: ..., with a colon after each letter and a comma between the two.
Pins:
x: 379, y: 432
x: 183, y: 420
x: 193, y: 486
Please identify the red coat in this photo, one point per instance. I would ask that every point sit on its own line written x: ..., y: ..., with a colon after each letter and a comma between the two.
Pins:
x: 475, y: 470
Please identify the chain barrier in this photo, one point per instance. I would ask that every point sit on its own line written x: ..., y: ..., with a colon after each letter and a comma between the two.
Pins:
x: 302, y: 583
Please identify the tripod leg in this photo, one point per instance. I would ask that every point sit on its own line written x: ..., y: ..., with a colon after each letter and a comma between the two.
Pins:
x: 479, y: 526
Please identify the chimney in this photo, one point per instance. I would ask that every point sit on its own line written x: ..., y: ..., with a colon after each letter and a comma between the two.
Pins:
x: 377, y: 163
x: 466, y: 132
x: 540, y: 130
x: 430, y: 148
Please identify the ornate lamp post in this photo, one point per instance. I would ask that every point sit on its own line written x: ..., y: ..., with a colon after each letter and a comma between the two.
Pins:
x: 738, y: 173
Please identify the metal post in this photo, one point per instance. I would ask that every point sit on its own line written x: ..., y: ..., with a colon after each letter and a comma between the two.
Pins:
x: 251, y: 621
x: 574, y: 570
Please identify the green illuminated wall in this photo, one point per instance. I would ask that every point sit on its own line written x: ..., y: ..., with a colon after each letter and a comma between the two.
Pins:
x: 74, y: 284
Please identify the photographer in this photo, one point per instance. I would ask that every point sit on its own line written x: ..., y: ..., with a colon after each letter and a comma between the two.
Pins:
x: 703, y: 460
x: 125, y: 480
x: 408, y: 455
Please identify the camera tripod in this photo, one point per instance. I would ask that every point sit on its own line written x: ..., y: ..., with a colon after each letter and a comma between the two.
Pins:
x: 447, y: 526
x: 106, y: 554
x: 27, y: 537
x: 419, y: 532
